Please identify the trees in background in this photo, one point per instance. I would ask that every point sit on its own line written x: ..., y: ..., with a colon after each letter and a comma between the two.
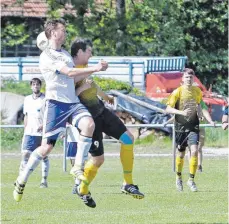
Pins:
x: 197, y: 29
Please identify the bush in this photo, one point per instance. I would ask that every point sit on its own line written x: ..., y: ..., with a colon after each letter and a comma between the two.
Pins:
x: 107, y: 84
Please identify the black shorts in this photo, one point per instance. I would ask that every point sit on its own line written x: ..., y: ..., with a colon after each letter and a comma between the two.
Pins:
x: 111, y: 125
x: 184, y: 139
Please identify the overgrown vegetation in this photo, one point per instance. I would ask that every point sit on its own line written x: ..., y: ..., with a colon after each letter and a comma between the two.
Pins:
x: 106, y: 84
x: 197, y: 29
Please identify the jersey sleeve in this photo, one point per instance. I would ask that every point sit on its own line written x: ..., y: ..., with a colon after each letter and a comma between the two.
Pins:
x: 173, y: 98
x: 200, y: 96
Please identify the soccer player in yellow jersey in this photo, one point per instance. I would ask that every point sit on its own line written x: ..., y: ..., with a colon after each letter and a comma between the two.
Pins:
x: 105, y: 121
x: 184, y: 102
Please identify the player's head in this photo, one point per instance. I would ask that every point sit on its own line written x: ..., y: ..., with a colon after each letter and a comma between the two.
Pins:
x: 55, y: 30
x: 81, y: 50
x: 35, y: 85
x: 188, y: 77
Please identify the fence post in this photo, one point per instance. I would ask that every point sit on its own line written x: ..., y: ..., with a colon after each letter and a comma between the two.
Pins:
x: 131, y: 73
x: 20, y: 66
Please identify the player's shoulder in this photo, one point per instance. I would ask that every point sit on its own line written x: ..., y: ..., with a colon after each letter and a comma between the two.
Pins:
x: 177, y: 91
x: 196, y: 88
x: 28, y: 97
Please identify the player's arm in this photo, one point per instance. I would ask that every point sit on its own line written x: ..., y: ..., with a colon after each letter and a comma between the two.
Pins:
x: 81, y: 73
x: 25, y: 120
x: 170, y: 121
x: 208, y: 117
x: 25, y: 112
x: 172, y: 110
x: 108, y: 99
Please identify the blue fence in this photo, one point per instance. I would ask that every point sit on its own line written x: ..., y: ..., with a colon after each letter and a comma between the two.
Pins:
x: 130, y: 69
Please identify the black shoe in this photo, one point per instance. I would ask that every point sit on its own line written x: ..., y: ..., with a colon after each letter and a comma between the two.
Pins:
x: 74, y: 189
x: 86, y: 198
x: 200, y: 169
x: 132, y: 190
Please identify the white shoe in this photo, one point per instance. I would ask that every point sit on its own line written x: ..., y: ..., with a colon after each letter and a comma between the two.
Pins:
x: 192, y: 185
x: 179, y: 184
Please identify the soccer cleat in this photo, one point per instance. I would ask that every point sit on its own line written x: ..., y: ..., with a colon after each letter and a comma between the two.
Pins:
x: 200, y: 169
x: 74, y: 189
x: 86, y: 198
x: 44, y: 185
x: 179, y: 184
x: 192, y: 185
x: 18, y: 191
x: 77, y: 173
x: 132, y: 190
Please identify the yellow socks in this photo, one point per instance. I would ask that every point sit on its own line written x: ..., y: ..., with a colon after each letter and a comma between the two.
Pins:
x: 179, y: 166
x: 127, y: 160
x: 193, y: 166
x: 90, y: 171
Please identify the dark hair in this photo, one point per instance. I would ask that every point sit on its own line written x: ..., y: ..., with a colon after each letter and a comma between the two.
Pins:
x: 78, y: 44
x: 51, y: 25
x: 35, y: 80
x: 189, y: 71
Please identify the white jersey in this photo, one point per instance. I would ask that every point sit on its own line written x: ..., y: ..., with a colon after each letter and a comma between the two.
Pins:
x: 59, y: 87
x: 34, y: 109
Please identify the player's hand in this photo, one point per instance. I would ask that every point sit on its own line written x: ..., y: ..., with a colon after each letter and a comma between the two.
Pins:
x: 110, y: 100
x: 187, y: 112
x: 212, y: 123
x: 40, y: 128
x: 225, y: 126
x: 102, y: 66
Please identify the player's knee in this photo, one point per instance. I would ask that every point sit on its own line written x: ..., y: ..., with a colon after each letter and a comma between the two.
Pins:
x: 127, y: 138
x: 26, y: 155
x: 87, y: 125
x: 45, y: 149
x: 98, y: 160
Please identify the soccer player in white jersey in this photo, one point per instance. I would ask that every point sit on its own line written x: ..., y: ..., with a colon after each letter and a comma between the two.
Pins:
x: 62, y: 105
x: 33, y: 121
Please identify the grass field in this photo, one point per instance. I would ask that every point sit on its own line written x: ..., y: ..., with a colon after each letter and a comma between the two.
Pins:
x: 162, y: 203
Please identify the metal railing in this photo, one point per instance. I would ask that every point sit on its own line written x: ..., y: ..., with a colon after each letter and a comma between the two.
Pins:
x: 128, y: 126
x: 129, y: 69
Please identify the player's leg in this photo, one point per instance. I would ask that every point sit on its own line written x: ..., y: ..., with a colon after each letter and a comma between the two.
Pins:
x: 193, y: 140
x: 93, y: 164
x: 181, y: 143
x: 26, y: 150
x: 200, y: 147
x: 55, y: 117
x: 114, y: 127
x: 83, y: 121
x: 45, y: 172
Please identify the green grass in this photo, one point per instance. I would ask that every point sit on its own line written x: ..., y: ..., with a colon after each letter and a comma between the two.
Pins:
x: 162, y: 203
x: 215, y: 137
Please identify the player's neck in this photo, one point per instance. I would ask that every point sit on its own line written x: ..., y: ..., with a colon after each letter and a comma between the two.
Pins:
x: 36, y: 95
x: 79, y: 63
x: 54, y: 45
x: 187, y: 87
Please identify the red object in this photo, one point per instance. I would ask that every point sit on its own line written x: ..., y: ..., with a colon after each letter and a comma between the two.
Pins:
x: 161, y: 85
